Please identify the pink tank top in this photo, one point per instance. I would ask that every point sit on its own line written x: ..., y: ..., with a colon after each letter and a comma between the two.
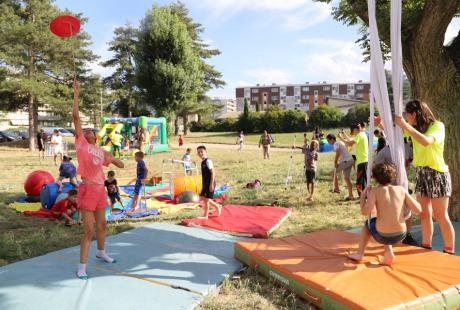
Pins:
x: 90, y: 160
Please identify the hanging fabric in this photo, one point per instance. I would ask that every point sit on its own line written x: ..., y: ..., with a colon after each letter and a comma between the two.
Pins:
x: 379, y: 89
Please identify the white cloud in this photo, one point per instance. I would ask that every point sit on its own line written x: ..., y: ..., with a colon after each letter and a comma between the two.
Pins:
x: 343, y: 65
x: 291, y: 14
x: 269, y: 76
x: 452, y: 30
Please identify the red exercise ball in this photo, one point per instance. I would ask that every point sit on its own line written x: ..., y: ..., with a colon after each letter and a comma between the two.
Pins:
x: 35, y: 181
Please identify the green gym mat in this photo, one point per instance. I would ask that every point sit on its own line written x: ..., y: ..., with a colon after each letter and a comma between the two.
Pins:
x: 159, y: 266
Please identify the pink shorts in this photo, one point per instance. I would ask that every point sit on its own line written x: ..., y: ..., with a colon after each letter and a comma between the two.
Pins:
x: 91, y: 197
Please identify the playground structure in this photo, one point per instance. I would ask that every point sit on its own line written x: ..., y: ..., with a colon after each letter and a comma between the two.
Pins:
x: 175, y: 172
x: 155, y: 133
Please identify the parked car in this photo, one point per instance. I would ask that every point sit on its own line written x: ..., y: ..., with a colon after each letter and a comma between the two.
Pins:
x: 6, y: 136
x: 71, y: 130
x: 50, y: 130
x: 23, y: 134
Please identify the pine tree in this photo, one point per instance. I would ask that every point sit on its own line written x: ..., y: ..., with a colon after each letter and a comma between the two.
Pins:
x: 123, y: 80
x: 246, y: 108
x: 38, y: 64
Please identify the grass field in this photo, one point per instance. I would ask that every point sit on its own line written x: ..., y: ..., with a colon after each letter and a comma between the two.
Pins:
x: 23, y: 237
x: 281, y: 139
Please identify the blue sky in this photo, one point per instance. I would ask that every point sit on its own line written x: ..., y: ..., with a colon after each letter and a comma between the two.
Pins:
x: 262, y: 41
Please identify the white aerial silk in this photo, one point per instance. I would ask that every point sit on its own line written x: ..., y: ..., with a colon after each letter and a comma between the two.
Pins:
x: 379, y: 90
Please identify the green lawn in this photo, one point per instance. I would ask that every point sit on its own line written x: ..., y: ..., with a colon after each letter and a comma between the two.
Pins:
x: 23, y: 237
x: 281, y: 139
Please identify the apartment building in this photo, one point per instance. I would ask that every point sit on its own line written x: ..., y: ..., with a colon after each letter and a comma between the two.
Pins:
x: 305, y: 97
x: 228, y: 105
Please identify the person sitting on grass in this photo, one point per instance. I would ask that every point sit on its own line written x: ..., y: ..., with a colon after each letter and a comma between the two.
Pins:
x: 112, y: 189
x: 67, y: 170
x: 389, y: 226
x: 311, y: 157
x: 66, y: 208
x: 208, y: 182
x: 187, y: 159
x: 141, y: 174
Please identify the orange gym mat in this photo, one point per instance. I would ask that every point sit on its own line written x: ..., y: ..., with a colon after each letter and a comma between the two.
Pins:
x: 315, y: 266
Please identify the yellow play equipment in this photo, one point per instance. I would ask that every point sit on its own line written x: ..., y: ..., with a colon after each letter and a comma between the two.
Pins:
x: 183, y: 176
x: 106, y: 131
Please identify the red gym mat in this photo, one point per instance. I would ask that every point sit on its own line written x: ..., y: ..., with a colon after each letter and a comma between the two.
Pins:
x: 256, y: 222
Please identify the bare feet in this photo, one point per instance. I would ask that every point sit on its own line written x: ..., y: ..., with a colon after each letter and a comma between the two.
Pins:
x: 219, y: 210
x: 310, y: 198
x: 202, y: 217
x: 355, y: 256
x: 387, y: 259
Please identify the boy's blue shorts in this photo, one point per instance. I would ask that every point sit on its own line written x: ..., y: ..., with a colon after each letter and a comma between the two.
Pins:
x: 137, y: 187
x: 393, y: 239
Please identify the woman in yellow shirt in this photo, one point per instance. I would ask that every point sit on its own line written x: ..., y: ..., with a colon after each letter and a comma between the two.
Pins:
x: 432, y: 181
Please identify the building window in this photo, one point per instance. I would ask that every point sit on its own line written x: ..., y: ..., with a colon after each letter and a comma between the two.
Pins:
x: 274, y: 90
x: 275, y: 97
x: 359, y: 96
x: 297, y: 97
x: 255, y: 99
x: 297, y: 106
x: 305, y: 88
x: 255, y: 90
x: 360, y: 87
x: 326, y: 88
x: 306, y: 97
x: 283, y: 97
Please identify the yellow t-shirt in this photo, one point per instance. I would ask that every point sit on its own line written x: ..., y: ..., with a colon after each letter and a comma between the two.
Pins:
x: 116, y: 139
x: 431, y: 155
x: 362, y: 148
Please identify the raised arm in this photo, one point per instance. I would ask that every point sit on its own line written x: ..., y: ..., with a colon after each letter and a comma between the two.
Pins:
x: 75, y: 112
x: 414, y: 133
x: 413, y: 204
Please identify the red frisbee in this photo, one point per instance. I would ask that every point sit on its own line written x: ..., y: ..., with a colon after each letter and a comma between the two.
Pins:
x: 65, y: 26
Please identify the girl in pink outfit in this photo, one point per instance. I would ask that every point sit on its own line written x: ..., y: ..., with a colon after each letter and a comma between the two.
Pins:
x: 92, y: 197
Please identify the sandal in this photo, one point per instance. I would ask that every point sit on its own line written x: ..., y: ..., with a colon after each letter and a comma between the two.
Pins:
x: 349, y: 198
x: 334, y: 191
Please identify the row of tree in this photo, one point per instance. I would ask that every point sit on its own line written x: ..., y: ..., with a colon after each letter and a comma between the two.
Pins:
x: 160, y: 66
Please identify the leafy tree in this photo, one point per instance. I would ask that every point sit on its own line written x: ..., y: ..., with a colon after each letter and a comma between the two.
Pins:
x: 210, y: 77
x: 357, y: 114
x: 257, y: 106
x: 167, y: 67
x: 246, y: 108
x: 38, y: 64
x: 325, y: 117
x: 432, y: 68
x: 123, y: 80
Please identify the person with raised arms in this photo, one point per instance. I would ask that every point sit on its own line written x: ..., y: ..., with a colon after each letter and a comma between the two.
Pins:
x: 92, y: 198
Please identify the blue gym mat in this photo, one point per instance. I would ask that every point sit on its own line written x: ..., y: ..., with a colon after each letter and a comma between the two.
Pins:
x: 438, y: 244
x: 159, y: 266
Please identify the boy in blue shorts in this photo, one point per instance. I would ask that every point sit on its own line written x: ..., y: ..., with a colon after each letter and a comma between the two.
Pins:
x: 141, y: 172
x: 187, y: 159
x: 208, y: 182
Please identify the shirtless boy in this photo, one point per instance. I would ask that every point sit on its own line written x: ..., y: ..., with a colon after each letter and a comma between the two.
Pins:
x: 389, y: 226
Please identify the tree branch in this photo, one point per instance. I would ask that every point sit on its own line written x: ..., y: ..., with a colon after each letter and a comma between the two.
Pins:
x: 432, y: 25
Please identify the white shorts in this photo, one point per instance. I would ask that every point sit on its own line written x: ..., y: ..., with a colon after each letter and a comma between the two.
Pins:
x: 57, y: 150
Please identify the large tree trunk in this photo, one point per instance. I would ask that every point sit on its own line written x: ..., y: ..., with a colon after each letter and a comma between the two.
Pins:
x: 31, y: 122
x: 185, y: 122
x: 176, y: 125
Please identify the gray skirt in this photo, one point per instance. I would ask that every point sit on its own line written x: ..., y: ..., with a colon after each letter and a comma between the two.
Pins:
x: 431, y: 183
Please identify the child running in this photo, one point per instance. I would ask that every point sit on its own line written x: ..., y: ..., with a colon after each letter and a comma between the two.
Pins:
x: 66, y: 209
x: 67, y: 170
x: 141, y: 174
x: 389, y: 226
x: 187, y: 159
x: 92, y: 198
x: 112, y: 189
x: 208, y: 182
